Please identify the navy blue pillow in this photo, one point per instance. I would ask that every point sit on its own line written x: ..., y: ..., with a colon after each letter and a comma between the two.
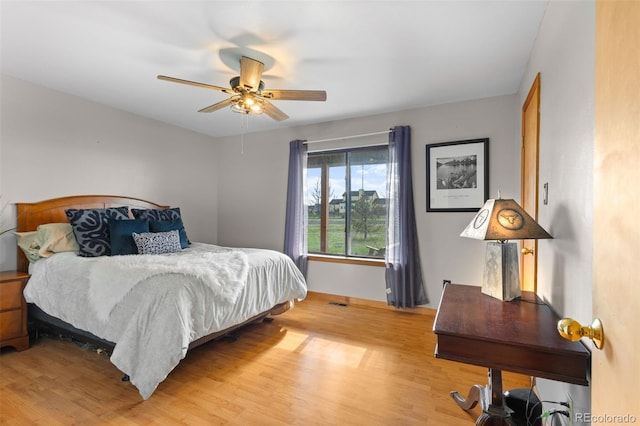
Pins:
x: 170, y: 225
x: 163, y: 215
x: 121, y: 231
x: 91, y: 228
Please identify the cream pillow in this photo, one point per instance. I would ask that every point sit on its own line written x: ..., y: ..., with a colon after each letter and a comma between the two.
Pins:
x: 56, y: 238
x: 50, y: 238
x: 30, y: 244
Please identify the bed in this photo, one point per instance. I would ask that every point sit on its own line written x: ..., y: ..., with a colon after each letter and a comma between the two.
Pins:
x: 148, y: 310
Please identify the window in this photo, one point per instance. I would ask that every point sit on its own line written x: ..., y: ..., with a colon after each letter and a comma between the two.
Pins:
x: 346, y: 202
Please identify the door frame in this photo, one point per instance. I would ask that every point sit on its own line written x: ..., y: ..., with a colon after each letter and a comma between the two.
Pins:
x: 529, y: 270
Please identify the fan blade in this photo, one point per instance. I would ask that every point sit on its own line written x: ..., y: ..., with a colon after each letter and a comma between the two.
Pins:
x: 218, y: 105
x: 295, y: 95
x: 250, y: 73
x: 273, y: 112
x: 195, y: 83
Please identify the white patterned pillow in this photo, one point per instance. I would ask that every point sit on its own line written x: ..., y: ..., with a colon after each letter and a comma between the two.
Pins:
x: 157, y: 242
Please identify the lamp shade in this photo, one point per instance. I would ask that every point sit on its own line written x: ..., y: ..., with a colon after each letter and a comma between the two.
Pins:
x: 503, y: 219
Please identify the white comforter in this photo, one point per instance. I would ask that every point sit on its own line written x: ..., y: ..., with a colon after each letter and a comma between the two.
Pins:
x: 152, y: 317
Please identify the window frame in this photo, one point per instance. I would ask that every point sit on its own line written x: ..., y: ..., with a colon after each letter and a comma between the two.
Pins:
x: 324, y: 256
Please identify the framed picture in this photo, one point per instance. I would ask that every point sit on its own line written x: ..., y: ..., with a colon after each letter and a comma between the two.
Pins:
x: 457, y: 175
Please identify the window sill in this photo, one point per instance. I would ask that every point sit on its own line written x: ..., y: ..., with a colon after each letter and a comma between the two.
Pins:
x: 349, y: 260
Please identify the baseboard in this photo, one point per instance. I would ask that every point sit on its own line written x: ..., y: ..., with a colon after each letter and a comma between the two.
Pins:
x: 356, y: 301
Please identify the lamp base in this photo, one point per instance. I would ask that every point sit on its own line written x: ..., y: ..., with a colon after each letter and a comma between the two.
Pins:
x: 501, y: 271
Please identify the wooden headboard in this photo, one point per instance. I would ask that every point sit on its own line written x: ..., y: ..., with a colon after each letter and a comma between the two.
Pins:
x: 31, y: 215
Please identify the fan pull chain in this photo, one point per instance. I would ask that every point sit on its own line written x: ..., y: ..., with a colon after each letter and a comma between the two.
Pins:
x: 244, y: 125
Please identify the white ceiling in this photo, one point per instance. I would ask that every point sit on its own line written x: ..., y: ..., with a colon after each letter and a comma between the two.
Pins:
x: 370, y: 56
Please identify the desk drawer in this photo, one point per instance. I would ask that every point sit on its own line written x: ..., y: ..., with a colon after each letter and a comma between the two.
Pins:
x: 11, y: 324
x: 11, y: 295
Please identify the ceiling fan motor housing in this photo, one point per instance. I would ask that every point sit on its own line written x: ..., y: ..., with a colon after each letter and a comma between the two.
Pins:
x: 235, y: 83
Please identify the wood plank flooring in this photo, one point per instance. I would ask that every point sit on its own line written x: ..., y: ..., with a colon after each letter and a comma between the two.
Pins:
x: 319, y: 364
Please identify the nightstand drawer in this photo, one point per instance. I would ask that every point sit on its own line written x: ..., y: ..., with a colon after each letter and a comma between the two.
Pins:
x: 11, y: 295
x: 10, y: 324
x: 13, y: 310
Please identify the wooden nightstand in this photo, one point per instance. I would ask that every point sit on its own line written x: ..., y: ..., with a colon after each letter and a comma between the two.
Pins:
x: 13, y: 310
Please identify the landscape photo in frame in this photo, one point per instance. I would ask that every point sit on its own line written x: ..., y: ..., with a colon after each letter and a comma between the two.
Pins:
x: 457, y: 175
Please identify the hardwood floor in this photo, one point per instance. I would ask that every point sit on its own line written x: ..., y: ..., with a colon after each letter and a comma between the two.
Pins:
x: 319, y: 364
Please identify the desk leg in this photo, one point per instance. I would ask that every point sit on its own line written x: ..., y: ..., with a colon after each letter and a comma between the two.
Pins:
x: 476, y: 394
x: 494, y: 409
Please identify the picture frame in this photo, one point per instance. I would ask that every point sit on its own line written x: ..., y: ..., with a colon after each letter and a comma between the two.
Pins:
x: 457, y: 175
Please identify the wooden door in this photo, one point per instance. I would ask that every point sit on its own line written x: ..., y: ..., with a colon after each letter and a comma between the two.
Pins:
x: 530, y: 138
x: 616, y: 237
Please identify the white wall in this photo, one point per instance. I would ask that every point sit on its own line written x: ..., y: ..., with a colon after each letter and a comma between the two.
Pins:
x: 564, y: 54
x: 252, y: 192
x: 53, y: 144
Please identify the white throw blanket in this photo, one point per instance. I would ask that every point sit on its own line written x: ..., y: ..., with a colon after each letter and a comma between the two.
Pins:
x: 112, y: 278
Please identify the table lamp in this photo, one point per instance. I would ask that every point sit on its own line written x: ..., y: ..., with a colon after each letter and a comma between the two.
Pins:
x: 502, y: 220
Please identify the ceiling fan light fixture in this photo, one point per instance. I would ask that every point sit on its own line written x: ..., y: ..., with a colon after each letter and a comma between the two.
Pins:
x: 247, y: 104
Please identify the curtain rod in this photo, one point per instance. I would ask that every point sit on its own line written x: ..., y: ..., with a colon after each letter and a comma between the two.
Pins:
x: 348, y: 137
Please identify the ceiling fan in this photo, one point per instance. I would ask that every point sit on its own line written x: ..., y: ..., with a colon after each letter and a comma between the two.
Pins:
x: 248, y: 95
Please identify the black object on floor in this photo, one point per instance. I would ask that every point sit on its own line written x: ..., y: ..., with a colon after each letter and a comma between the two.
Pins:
x: 526, y: 406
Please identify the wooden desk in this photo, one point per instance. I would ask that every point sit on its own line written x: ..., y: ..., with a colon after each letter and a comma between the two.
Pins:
x: 518, y: 336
